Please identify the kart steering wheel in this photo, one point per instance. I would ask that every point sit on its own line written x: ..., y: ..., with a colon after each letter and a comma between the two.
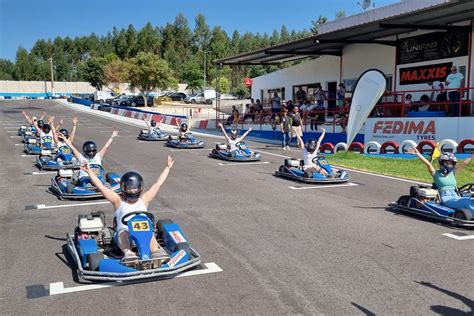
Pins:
x: 316, y: 159
x: 466, y: 189
x: 148, y: 214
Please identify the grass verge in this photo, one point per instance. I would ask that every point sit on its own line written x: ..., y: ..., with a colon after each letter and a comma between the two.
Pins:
x: 404, y: 168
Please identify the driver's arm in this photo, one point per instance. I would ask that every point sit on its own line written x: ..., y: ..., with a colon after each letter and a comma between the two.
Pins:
x: 104, y: 149
x: 190, y: 123
x: 147, y: 124
x: 464, y: 163
x: 428, y: 165
x: 300, y: 140
x: 110, y: 195
x: 320, y: 139
x: 74, y: 126
x: 42, y: 116
x: 241, y: 138
x: 223, y: 131
x: 28, y: 119
x: 149, y: 195
x: 55, y: 133
x: 76, y: 153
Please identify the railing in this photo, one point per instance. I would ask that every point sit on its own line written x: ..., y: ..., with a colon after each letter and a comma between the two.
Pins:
x: 390, y: 105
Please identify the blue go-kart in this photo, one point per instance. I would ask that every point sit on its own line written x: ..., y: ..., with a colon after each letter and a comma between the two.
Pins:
x: 152, y: 136
x: 242, y: 154
x: 33, y: 146
x: 293, y: 169
x: 67, y: 185
x: 184, y: 142
x: 97, y: 257
x: 23, y: 129
x: 64, y: 159
x: 27, y: 135
x: 425, y: 201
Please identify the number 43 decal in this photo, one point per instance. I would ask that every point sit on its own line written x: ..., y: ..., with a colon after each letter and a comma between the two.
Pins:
x: 140, y: 226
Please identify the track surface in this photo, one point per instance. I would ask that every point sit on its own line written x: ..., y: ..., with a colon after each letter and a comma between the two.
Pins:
x: 334, y: 250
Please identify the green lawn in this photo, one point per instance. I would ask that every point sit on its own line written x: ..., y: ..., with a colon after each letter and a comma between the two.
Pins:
x: 403, y: 168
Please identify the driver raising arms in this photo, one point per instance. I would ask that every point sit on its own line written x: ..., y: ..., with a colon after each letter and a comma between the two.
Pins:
x: 310, y: 151
x: 90, y: 156
x: 445, y: 179
x: 184, y: 129
x: 153, y: 126
x: 233, y: 140
x: 132, y: 200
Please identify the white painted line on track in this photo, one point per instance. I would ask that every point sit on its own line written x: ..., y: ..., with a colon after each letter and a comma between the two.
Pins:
x: 16, y: 122
x: 24, y: 156
x: 357, y: 171
x: 42, y: 206
x: 324, y: 186
x: 196, y: 149
x: 40, y: 173
x: 19, y: 144
x: 58, y: 287
x: 15, y: 136
x: 11, y: 127
x: 11, y: 132
x: 7, y: 124
x: 459, y: 237
x: 243, y: 163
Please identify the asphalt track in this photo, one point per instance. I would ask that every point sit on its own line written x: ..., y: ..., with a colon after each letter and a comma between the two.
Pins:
x: 333, y: 250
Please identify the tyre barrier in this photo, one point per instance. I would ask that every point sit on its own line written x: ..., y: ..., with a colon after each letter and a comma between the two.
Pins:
x: 394, y: 145
x: 405, y: 145
x: 464, y: 143
x: 448, y: 143
x: 340, y: 147
x: 358, y: 146
x: 424, y: 143
x: 372, y: 147
x: 326, y: 146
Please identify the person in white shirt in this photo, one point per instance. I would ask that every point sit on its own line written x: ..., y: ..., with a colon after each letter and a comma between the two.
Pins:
x: 455, y: 80
x: 133, y: 199
x: 310, y: 151
x: 90, y: 156
x: 233, y: 140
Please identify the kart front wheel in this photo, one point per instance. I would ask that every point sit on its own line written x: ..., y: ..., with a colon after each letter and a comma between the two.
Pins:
x: 463, y: 215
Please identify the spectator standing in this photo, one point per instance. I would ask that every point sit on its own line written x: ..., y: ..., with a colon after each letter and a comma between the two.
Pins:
x: 319, y: 96
x: 296, y: 125
x: 290, y: 106
x: 276, y: 103
x: 285, y: 127
x: 455, y: 80
x: 300, y: 97
x: 340, y: 96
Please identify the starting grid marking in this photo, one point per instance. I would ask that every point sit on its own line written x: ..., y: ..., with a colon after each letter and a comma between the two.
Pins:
x: 189, y: 149
x: 43, y: 206
x: 58, y: 287
x: 453, y: 236
x: 243, y: 163
x: 39, y: 173
x: 324, y: 186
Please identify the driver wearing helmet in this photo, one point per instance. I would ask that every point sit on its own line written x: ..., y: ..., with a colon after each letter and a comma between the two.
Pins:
x: 184, y: 129
x: 46, y: 137
x: 445, y: 179
x: 233, y: 140
x: 310, y: 151
x: 61, y: 135
x: 90, y: 156
x: 153, y: 127
x: 132, y: 200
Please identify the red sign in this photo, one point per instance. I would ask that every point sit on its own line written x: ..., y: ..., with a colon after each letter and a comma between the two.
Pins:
x: 422, y: 74
x: 248, y: 81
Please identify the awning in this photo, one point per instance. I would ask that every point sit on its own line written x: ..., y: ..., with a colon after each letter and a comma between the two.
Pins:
x: 369, y: 27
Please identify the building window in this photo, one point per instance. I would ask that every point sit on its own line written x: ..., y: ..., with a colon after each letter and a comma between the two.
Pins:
x: 268, y: 94
x: 307, y: 88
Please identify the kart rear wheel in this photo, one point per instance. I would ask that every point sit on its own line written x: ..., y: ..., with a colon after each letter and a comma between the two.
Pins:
x: 404, y: 200
x: 462, y: 215
x: 94, y: 260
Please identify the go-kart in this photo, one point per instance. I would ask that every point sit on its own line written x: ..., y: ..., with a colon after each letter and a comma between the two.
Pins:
x: 293, y: 169
x: 29, y: 134
x: 155, y: 135
x: 241, y: 154
x: 97, y: 257
x: 67, y: 185
x: 64, y: 159
x: 33, y: 146
x: 23, y: 129
x: 184, y: 142
x: 425, y: 201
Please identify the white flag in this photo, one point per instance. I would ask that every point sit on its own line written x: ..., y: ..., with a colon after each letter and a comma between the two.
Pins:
x: 368, y: 90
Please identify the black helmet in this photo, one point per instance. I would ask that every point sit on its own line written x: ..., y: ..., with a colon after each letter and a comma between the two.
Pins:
x: 90, y: 149
x: 131, y: 186
x: 40, y: 123
x: 311, y: 145
x: 184, y: 127
x: 233, y: 134
x: 64, y: 132
x: 153, y: 123
x: 46, y: 128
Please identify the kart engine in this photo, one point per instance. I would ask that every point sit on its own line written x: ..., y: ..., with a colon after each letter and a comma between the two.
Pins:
x: 423, y: 192
x: 92, y: 226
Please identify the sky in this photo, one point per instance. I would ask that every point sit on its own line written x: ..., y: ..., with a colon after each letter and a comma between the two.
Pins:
x: 23, y: 22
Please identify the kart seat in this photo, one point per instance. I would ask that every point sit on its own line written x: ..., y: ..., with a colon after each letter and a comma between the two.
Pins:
x: 221, y: 147
x: 292, y: 162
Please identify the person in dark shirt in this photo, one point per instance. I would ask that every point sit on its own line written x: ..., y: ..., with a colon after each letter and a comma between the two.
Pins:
x: 285, y: 127
x: 296, y: 124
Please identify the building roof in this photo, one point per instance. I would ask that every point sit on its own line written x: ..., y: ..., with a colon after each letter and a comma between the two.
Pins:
x: 365, y: 28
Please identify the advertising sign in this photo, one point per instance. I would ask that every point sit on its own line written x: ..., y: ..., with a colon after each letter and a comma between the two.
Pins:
x: 423, y: 74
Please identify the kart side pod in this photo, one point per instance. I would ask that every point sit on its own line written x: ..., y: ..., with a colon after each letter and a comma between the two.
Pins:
x: 175, y: 241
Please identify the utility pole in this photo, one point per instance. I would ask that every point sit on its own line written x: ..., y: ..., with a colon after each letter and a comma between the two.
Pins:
x: 52, y: 76
x: 204, y: 85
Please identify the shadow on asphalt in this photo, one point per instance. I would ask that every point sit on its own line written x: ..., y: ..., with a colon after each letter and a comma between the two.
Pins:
x: 364, y: 310
x: 446, y: 310
x: 56, y: 238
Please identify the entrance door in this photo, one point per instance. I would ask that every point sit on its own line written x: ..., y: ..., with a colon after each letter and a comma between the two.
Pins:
x: 331, y: 95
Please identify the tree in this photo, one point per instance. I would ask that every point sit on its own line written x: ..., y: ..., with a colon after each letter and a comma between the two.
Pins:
x: 241, y: 91
x: 340, y: 14
x: 148, y: 72
x: 192, y: 74
x: 223, y: 84
x: 321, y: 20
x: 201, y: 33
x: 284, y: 35
x: 148, y: 40
x: 116, y: 72
x: 93, y: 71
x: 7, y: 69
